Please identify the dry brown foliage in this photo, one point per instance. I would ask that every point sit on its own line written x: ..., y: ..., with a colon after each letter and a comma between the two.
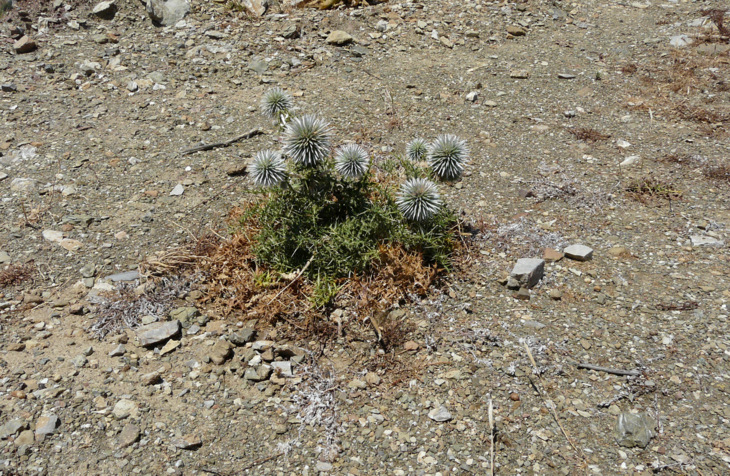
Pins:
x: 648, y: 190
x: 587, y: 134
x: 718, y: 172
x: 16, y: 274
x: 717, y: 16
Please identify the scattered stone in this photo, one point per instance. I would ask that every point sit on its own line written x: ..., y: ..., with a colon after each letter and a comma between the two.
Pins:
x: 47, y: 424
x: 24, y: 45
x: 566, y: 76
x: 634, y: 430
x: 88, y: 271
x: 523, y: 294
x: 358, y: 384
x: 339, y: 38
x: 79, y: 361
x: 243, y: 337
x: 291, y: 31
x: 701, y: 240
x: 150, y: 378
x: 12, y: 427
x: 519, y: 74
x: 105, y: 10
x: 555, y: 294
x: 680, y: 41
x: 167, y: 12
x: 324, y: 467
x: 25, y: 438
x: 125, y: 408
x: 157, y: 333
x: 528, y: 271
x: 53, y: 236
x: 446, y: 42
x: 187, y: 442
x: 125, y: 276
x: 472, y: 96
x: 282, y: 369
x: 169, y: 347
x: 515, y: 30
x: 618, y: 251
x: 22, y: 184
x: 372, y: 378
x: 186, y: 315
x: 440, y: 414
x: 129, y: 435
x: 8, y: 87
x: 578, y: 252
x: 256, y: 7
x: 118, y: 351
x: 70, y: 245
x: 630, y: 160
x: 550, y: 255
x: 16, y: 347
x: 221, y: 352
x: 177, y: 190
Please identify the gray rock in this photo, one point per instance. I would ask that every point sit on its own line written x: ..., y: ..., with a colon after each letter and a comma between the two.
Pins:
x: 221, y: 352
x: 167, y: 12
x: 192, y: 330
x: 701, y: 240
x: 125, y: 408
x: 291, y: 31
x: 22, y: 184
x: 150, y: 378
x: 282, y: 368
x: 324, y: 467
x: 88, y: 271
x: 118, y: 351
x: 177, y: 190
x: 47, y: 424
x: 356, y: 383
x: 12, y: 427
x: 472, y: 96
x: 680, y: 41
x: 79, y: 361
x: 25, y: 438
x: 256, y: 7
x: 128, y: 436
x: 187, y: 442
x: 258, y: 65
x: 157, y: 333
x: 528, y: 271
x: 105, y: 10
x: 634, y: 429
x: 186, y: 315
x: 578, y: 252
x: 440, y: 414
x: 339, y: 38
x: 4, y: 257
x: 125, y: 276
x: 243, y: 337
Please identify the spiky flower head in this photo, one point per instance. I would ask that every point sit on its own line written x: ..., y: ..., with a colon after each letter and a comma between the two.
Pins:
x: 268, y: 169
x: 417, y: 150
x: 447, y: 155
x: 275, y: 102
x: 418, y: 199
x: 307, y: 140
x: 351, y: 161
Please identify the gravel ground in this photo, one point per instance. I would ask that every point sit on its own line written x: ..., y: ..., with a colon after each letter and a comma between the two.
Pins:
x: 602, y: 123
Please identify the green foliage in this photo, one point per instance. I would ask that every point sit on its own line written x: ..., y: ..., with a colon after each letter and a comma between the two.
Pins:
x: 332, y: 226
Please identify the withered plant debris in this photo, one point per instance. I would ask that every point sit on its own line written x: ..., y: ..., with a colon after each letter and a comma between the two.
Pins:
x: 648, y: 189
x: 678, y: 306
x: 16, y: 274
x: 123, y: 308
x: 587, y: 134
x: 717, y: 16
x: 720, y: 172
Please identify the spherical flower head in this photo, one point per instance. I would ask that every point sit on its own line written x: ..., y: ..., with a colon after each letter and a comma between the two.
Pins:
x: 418, y: 199
x: 307, y: 140
x: 417, y: 150
x: 268, y: 169
x: 275, y: 102
x: 447, y: 155
x: 351, y: 161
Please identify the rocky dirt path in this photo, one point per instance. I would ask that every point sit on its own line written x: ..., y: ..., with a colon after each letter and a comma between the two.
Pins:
x: 601, y: 123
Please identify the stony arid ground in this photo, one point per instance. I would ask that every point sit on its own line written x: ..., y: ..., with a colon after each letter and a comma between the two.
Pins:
x: 603, y: 123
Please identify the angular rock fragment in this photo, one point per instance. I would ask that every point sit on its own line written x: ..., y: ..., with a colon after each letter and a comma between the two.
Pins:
x: 528, y: 271
x: 167, y: 12
x: 157, y: 332
x: 634, y: 429
x: 579, y: 252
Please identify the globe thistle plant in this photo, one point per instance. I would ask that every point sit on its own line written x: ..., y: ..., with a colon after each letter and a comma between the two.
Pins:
x: 275, y: 103
x: 307, y: 140
x: 268, y: 169
x: 447, y: 155
x: 418, y: 199
x: 351, y: 161
x: 417, y: 150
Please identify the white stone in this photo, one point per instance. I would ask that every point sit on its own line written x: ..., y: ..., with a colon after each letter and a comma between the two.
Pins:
x: 53, y: 236
x: 178, y: 190
x: 578, y: 252
x: 528, y: 271
x: 701, y: 240
x: 630, y: 160
x: 440, y: 414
